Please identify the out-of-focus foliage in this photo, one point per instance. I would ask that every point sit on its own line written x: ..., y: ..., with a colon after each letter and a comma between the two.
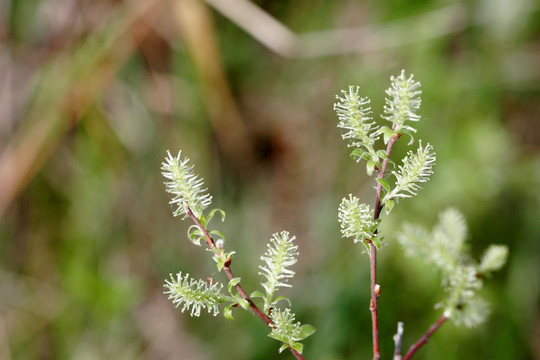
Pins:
x: 93, y: 93
x: 445, y: 249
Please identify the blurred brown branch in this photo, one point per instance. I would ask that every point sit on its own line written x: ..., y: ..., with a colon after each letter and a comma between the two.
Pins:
x: 68, y: 85
x: 281, y: 40
x: 197, y: 30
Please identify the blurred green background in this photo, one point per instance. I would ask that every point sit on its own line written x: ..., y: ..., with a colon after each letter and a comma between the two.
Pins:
x: 93, y: 93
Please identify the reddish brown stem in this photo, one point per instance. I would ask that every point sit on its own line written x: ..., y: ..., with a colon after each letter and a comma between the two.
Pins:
x: 424, y: 339
x: 227, y: 270
x: 375, y: 288
x: 209, y: 240
x: 373, y: 304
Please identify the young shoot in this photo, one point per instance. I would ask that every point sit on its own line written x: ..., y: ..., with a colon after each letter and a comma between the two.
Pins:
x: 190, y: 200
x: 286, y: 330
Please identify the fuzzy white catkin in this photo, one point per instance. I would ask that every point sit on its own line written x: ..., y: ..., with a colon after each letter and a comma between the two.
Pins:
x: 184, y: 186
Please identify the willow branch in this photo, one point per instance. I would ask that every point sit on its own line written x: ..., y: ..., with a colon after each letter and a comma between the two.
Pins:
x: 373, y: 304
x: 227, y: 270
x: 375, y: 288
x: 381, y: 174
x: 424, y: 339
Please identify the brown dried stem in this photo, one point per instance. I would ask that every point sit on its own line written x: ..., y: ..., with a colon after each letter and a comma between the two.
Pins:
x: 227, y: 270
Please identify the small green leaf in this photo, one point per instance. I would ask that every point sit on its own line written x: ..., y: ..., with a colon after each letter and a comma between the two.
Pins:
x: 305, y: 331
x: 280, y: 298
x: 244, y: 304
x: 410, y: 135
x: 213, y: 212
x: 299, y: 347
x: 376, y: 242
x: 257, y: 294
x: 283, y: 347
x: 227, y: 312
x: 194, y: 234
x: 366, y: 245
x: 358, y: 153
x: 370, y: 166
x: 275, y: 336
x: 203, y: 221
x: 384, y: 184
x: 218, y: 233
x: 382, y: 154
x: 389, y: 205
x: 220, y: 263
x: 233, y: 283
x: 387, y: 133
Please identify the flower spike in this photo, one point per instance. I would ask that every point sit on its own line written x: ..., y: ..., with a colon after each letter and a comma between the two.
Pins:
x: 184, y: 186
x: 194, y: 294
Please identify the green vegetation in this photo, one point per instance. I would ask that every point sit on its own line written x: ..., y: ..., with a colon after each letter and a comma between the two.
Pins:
x: 92, y: 95
x: 444, y: 248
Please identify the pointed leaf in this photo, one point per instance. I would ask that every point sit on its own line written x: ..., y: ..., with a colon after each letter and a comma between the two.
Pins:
x: 305, y: 331
x: 299, y: 347
x: 370, y: 166
x: 410, y: 135
x: 275, y: 336
x: 218, y: 233
x: 194, y: 234
x: 244, y: 304
x: 283, y: 347
x: 256, y: 294
x: 203, y: 221
x: 233, y: 283
x: 384, y: 184
x: 220, y: 263
x: 382, y: 154
x: 212, y: 213
x: 366, y: 245
x: 227, y: 312
x: 387, y: 133
x: 389, y: 205
x: 358, y: 153
x: 280, y: 298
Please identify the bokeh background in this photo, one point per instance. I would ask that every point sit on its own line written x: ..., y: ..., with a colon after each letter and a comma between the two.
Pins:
x: 93, y: 93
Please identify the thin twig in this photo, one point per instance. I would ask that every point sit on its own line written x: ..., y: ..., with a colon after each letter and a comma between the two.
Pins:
x: 424, y: 339
x: 382, y: 173
x: 227, y: 270
x: 373, y: 304
x: 375, y: 288
x: 398, y: 338
x: 362, y: 39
